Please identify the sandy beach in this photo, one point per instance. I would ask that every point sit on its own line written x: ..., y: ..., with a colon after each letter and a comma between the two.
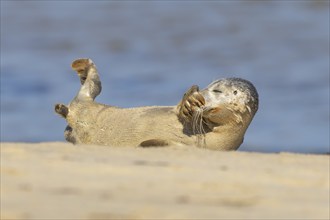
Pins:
x: 58, y: 180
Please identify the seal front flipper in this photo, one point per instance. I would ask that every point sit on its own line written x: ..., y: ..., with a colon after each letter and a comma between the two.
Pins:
x: 191, y: 101
x: 154, y: 143
x: 62, y: 110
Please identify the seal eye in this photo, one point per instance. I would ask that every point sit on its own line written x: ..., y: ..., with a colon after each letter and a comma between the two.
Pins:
x: 235, y: 92
x: 217, y: 91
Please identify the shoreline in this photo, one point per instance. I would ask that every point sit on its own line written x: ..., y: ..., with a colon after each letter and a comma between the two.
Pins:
x: 251, y: 149
x: 60, y: 180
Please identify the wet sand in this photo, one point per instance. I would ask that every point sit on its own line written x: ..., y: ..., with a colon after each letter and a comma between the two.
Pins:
x: 60, y: 181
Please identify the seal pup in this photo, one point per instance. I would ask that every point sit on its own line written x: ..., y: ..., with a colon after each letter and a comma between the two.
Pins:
x: 216, y: 117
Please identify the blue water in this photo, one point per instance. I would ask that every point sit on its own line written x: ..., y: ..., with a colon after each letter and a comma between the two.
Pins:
x: 149, y: 53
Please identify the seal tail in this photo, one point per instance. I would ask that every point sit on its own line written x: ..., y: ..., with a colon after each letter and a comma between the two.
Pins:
x: 89, y: 78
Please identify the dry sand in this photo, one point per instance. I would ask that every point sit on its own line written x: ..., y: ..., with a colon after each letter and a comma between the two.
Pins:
x: 62, y: 181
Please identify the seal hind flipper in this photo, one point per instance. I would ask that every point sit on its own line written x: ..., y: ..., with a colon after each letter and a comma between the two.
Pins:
x: 81, y: 67
x: 89, y: 78
x: 154, y: 143
x: 69, y: 135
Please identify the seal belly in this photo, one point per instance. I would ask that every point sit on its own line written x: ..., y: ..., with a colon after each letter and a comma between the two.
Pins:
x: 107, y: 125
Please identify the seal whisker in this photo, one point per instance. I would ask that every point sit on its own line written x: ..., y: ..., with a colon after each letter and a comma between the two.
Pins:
x: 201, y: 129
x: 198, y: 127
x: 196, y: 122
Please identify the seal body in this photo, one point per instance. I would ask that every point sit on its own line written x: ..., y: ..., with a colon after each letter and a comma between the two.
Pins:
x: 215, y: 118
x: 95, y: 123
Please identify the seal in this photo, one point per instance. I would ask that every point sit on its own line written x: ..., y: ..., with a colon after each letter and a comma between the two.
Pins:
x: 216, y: 117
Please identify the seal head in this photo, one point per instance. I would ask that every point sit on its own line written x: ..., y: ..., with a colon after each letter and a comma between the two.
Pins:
x: 230, y: 96
x: 219, y: 115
